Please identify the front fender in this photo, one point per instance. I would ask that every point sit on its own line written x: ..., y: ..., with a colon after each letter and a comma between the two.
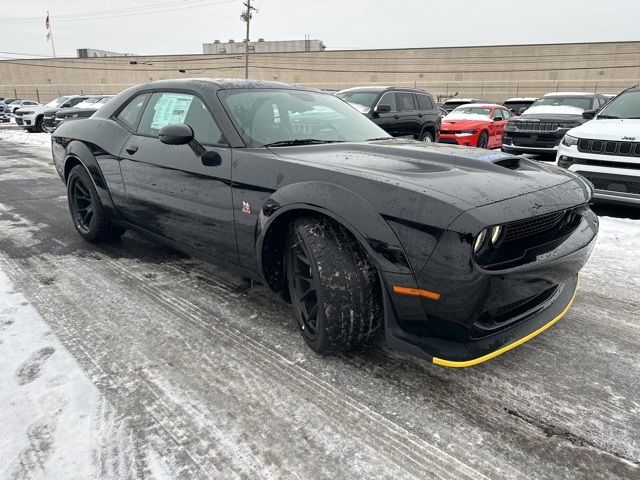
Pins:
x: 344, y: 206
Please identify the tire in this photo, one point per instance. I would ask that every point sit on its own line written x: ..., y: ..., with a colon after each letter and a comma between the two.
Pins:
x: 89, y: 217
x: 427, y: 137
x: 38, y: 125
x: 334, y: 287
x: 483, y: 140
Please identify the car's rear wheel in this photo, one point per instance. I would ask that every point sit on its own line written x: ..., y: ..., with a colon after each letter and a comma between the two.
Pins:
x: 90, y: 219
x: 427, y: 136
x: 334, y: 287
x: 483, y: 139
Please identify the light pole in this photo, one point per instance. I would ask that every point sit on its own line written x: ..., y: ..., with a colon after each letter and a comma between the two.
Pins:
x: 246, y: 17
x: 415, y: 82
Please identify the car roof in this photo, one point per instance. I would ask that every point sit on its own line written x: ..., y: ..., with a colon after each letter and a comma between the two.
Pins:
x: 225, y: 83
x: 571, y: 94
x: 482, y: 105
x: 462, y: 100
x: 378, y: 88
x: 521, y: 99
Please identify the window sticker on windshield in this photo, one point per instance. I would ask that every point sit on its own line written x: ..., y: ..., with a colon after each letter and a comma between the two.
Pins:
x: 170, y: 109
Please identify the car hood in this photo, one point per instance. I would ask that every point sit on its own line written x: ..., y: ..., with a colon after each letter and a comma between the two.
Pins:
x: 463, y: 123
x: 553, y: 110
x: 465, y: 177
x: 609, y: 129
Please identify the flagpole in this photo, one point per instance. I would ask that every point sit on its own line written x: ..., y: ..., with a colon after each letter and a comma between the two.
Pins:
x: 53, y: 48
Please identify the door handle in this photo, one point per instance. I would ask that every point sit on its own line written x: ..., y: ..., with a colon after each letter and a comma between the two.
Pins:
x: 420, y: 114
x: 131, y: 149
x: 396, y: 116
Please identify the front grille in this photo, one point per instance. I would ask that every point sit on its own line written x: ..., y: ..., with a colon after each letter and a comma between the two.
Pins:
x: 614, y: 184
x: 537, y: 126
x: 532, y: 227
x: 507, y: 315
x: 609, y: 147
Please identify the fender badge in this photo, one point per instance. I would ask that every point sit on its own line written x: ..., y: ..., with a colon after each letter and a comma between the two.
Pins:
x: 246, y: 208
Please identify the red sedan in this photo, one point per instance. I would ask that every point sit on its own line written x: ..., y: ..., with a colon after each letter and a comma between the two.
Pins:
x: 475, y: 125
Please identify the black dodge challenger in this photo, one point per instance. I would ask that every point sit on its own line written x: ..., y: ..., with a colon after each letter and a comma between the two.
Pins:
x: 456, y: 254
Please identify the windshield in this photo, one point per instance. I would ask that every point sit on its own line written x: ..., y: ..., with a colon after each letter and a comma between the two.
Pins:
x: 89, y: 102
x: 627, y: 105
x: 266, y: 116
x: 57, y: 102
x: 579, y: 102
x: 365, y: 99
x: 469, y: 112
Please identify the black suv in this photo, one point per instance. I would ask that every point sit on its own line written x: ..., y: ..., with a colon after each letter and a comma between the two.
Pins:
x: 402, y: 112
x: 541, y: 127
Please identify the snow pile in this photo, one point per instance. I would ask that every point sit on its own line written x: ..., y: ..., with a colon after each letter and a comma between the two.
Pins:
x: 22, y: 137
x: 54, y: 423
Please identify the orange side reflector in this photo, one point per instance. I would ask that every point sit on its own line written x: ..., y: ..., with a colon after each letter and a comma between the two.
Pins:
x: 417, y: 292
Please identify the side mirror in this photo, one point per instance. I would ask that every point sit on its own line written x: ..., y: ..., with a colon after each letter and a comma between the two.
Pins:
x: 589, y: 114
x: 522, y: 110
x: 384, y: 108
x: 179, y: 134
x: 498, y: 119
x: 65, y: 105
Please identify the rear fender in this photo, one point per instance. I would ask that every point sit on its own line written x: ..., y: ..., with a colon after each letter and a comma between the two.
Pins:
x: 79, y: 152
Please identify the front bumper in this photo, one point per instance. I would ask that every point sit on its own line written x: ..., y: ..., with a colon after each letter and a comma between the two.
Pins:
x: 453, y: 139
x: 481, y: 313
x: 615, y: 178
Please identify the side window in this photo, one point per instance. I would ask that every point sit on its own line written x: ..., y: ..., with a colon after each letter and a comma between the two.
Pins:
x: 425, y: 102
x: 405, y: 101
x: 389, y: 98
x: 596, y: 103
x: 74, y: 101
x: 168, y: 108
x: 129, y: 115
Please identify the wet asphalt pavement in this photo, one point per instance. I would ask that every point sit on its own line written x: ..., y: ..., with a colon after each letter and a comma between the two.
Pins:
x: 215, y: 379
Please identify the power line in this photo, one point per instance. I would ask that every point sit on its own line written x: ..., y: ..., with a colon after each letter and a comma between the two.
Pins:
x: 105, y: 14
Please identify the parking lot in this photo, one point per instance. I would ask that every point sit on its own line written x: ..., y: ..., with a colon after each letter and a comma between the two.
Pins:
x: 154, y: 365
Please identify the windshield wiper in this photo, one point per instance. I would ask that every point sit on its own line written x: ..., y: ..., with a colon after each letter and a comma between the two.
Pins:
x: 608, y: 117
x: 301, y: 141
x: 381, y: 138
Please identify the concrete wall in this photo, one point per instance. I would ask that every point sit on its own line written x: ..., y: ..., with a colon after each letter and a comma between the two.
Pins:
x: 493, y: 73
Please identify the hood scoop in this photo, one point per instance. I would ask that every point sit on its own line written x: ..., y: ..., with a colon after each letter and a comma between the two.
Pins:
x: 512, y: 163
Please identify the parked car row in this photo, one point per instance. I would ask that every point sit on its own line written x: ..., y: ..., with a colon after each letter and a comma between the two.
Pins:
x: 34, y: 117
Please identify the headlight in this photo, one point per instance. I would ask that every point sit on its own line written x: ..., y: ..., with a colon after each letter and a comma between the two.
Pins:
x: 479, y: 243
x: 569, y: 141
x: 496, y: 233
x: 463, y: 133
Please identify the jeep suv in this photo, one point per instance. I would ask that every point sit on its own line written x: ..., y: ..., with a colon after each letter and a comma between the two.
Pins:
x: 606, y: 150
x: 402, y: 112
x: 541, y: 127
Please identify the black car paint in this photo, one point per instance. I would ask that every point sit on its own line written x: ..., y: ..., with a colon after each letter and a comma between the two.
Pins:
x: 409, y: 123
x: 414, y: 207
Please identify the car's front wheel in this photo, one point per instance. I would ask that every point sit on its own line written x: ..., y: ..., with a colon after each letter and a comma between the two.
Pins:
x: 87, y: 212
x: 427, y: 136
x: 334, y: 287
x: 483, y: 139
x: 38, y: 125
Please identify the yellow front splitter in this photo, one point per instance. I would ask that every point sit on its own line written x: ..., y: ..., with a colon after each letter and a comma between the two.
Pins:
x: 506, y: 348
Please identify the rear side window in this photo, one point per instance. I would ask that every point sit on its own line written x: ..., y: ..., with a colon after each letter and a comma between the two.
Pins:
x: 425, y: 102
x: 405, y: 101
x: 129, y: 115
x: 169, y: 108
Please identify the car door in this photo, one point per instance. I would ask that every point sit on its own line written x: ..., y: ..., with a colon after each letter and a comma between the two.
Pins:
x: 409, y: 122
x: 169, y: 191
x: 389, y: 121
x: 428, y: 114
x: 497, y: 127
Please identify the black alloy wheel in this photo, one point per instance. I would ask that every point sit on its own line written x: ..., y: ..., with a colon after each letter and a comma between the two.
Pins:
x: 303, y: 289
x: 483, y: 140
x: 81, y: 204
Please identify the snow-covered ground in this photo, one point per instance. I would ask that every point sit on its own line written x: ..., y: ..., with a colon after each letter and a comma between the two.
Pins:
x: 17, y: 135
x: 54, y: 423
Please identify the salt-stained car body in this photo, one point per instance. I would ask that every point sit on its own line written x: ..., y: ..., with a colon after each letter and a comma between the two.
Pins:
x: 458, y: 254
x: 606, y: 150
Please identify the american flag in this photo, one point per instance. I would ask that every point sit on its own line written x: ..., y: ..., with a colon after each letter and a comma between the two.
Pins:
x: 46, y: 22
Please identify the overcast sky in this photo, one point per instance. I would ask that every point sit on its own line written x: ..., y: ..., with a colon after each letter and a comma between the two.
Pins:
x: 341, y: 24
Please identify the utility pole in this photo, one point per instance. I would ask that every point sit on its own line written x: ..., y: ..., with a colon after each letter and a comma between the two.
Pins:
x: 246, y: 17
